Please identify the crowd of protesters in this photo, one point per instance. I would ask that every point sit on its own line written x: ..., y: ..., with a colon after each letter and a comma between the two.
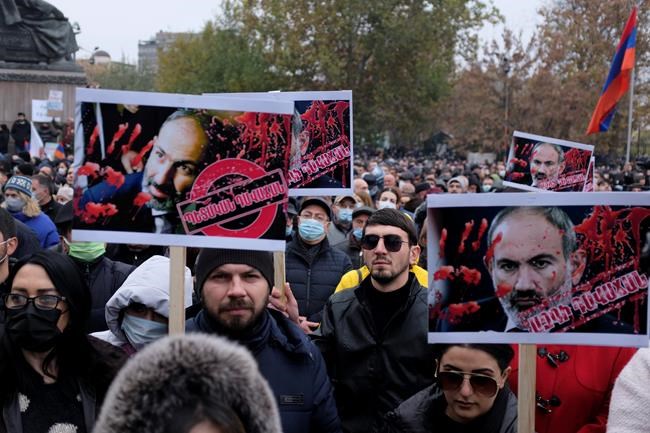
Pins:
x: 343, y: 348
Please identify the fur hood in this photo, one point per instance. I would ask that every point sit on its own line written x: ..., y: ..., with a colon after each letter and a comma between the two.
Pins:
x: 177, y: 371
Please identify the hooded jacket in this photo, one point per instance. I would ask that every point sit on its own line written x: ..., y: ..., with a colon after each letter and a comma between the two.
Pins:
x: 148, y: 285
x: 186, y: 371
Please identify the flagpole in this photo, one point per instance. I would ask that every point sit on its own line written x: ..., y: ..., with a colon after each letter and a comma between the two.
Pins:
x: 629, y: 120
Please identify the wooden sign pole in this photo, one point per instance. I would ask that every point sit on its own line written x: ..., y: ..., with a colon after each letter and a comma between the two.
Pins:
x: 526, y: 391
x: 280, y: 277
x: 176, y: 290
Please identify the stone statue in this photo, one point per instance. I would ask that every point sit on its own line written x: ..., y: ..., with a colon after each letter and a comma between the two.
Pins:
x: 34, y: 31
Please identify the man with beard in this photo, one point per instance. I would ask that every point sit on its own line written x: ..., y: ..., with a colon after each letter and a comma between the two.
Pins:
x: 546, y: 165
x: 235, y: 287
x: 173, y: 164
x: 537, y: 260
x: 535, y: 264
x: 374, y: 336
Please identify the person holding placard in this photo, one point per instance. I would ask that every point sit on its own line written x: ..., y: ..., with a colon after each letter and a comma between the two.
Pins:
x: 235, y: 286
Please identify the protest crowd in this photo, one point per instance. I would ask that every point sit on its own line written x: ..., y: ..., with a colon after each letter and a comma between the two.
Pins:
x: 342, y: 348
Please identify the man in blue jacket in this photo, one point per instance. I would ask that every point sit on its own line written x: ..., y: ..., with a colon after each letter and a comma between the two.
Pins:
x: 235, y: 287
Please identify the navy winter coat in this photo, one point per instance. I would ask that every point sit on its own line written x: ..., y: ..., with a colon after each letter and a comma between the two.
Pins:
x: 291, y: 364
x: 313, y: 283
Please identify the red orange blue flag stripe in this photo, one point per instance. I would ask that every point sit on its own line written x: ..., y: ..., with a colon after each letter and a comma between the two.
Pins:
x: 618, y: 80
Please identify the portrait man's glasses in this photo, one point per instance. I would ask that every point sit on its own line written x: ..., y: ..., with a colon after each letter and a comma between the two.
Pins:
x: 393, y: 243
x: 16, y: 301
x: 480, y: 383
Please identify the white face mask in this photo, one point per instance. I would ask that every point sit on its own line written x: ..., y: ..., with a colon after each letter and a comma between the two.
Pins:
x: 386, y: 205
x: 141, y: 332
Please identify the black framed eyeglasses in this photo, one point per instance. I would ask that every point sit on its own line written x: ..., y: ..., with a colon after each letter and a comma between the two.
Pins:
x: 16, y: 301
x: 480, y: 383
x: 393, y: 243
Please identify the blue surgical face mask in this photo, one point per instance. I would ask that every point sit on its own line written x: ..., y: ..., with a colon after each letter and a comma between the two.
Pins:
x: 141, y: 332
x: 288, y: 231
x: 15, y: 204
x: 345, y: 215
x: 310, y: 229
x: 357, y: 233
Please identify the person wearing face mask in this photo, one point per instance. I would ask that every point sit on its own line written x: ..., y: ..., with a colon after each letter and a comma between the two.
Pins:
x: 313, y: 266
x: 21, y: 205
x: 470, y: 394
x: 341, y: 219
x: 353, y: 245
x: 54, y: 375
x: 389, y: 198
x: 138, y: 313
x: 103, y: 275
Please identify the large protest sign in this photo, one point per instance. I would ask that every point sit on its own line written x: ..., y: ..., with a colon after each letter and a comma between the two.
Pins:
x: 321, y: 149
x: 183, y: 170
x: 537, y: 163
x: 565, y: 268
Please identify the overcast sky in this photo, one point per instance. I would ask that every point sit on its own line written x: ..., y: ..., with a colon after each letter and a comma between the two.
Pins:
x: 116, y: 26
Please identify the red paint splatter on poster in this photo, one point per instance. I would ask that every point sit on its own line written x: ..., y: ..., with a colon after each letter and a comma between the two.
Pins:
x: 445, y: 273
x: 489, y: 254
x: 442, y: 243
x: 481, y: 231
x: 466, y: 232
x: 471, y: 277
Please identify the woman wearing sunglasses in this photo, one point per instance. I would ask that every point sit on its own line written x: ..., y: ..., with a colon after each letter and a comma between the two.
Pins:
x: 470, y: 394
x: 54, y: 377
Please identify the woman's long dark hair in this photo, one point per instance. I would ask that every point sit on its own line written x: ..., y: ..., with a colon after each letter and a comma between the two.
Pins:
x: 75, y: 357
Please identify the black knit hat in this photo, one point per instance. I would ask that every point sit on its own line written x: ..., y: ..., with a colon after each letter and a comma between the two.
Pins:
x: 211, y: 258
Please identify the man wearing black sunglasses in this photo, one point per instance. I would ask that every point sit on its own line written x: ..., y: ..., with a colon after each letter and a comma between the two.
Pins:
x: 374, y: 336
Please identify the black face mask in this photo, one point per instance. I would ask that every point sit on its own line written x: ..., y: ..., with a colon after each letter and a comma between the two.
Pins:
x: 33, y: 329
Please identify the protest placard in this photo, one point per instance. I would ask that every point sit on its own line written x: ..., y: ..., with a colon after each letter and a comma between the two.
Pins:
x: 322, y: 141
x: 565, y: 268
x: 537, y: 163
x: 184, y: 170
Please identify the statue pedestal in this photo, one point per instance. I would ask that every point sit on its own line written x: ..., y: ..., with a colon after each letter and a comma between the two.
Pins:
x: 22, y: 83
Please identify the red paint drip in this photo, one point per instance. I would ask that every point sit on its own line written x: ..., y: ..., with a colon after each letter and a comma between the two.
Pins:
x: 442, y: 243
x: 481, y: 231
x: 489, y: 254
x: 466, y: 232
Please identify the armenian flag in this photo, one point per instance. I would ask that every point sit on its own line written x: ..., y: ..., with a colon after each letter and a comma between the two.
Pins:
x: 618, y: 80
x: 59, y: 152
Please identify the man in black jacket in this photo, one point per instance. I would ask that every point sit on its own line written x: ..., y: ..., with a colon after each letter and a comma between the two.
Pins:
x: 374, y: 336
x: 313, y: 267
x: 235, y: 287
x: 21, y: 132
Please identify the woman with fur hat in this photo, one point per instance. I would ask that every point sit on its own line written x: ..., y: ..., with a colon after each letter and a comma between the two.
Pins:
x: 190, y: 383
x: 21, y: 205
x: 54, y: 376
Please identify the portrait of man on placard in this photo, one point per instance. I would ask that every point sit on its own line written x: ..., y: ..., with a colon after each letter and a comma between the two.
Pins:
x: 539, y: 269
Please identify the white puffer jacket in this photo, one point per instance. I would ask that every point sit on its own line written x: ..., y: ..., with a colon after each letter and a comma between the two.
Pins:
x: 148, y: 284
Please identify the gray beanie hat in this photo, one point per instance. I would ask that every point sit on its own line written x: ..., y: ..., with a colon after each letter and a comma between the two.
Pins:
x: 211, y: 258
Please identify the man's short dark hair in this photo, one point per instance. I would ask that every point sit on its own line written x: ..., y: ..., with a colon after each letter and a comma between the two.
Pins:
x: 556, y: 147
x: 45, y: 181
x: 553, y: 215
x: 395, y: 218
x: 7, y: 224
